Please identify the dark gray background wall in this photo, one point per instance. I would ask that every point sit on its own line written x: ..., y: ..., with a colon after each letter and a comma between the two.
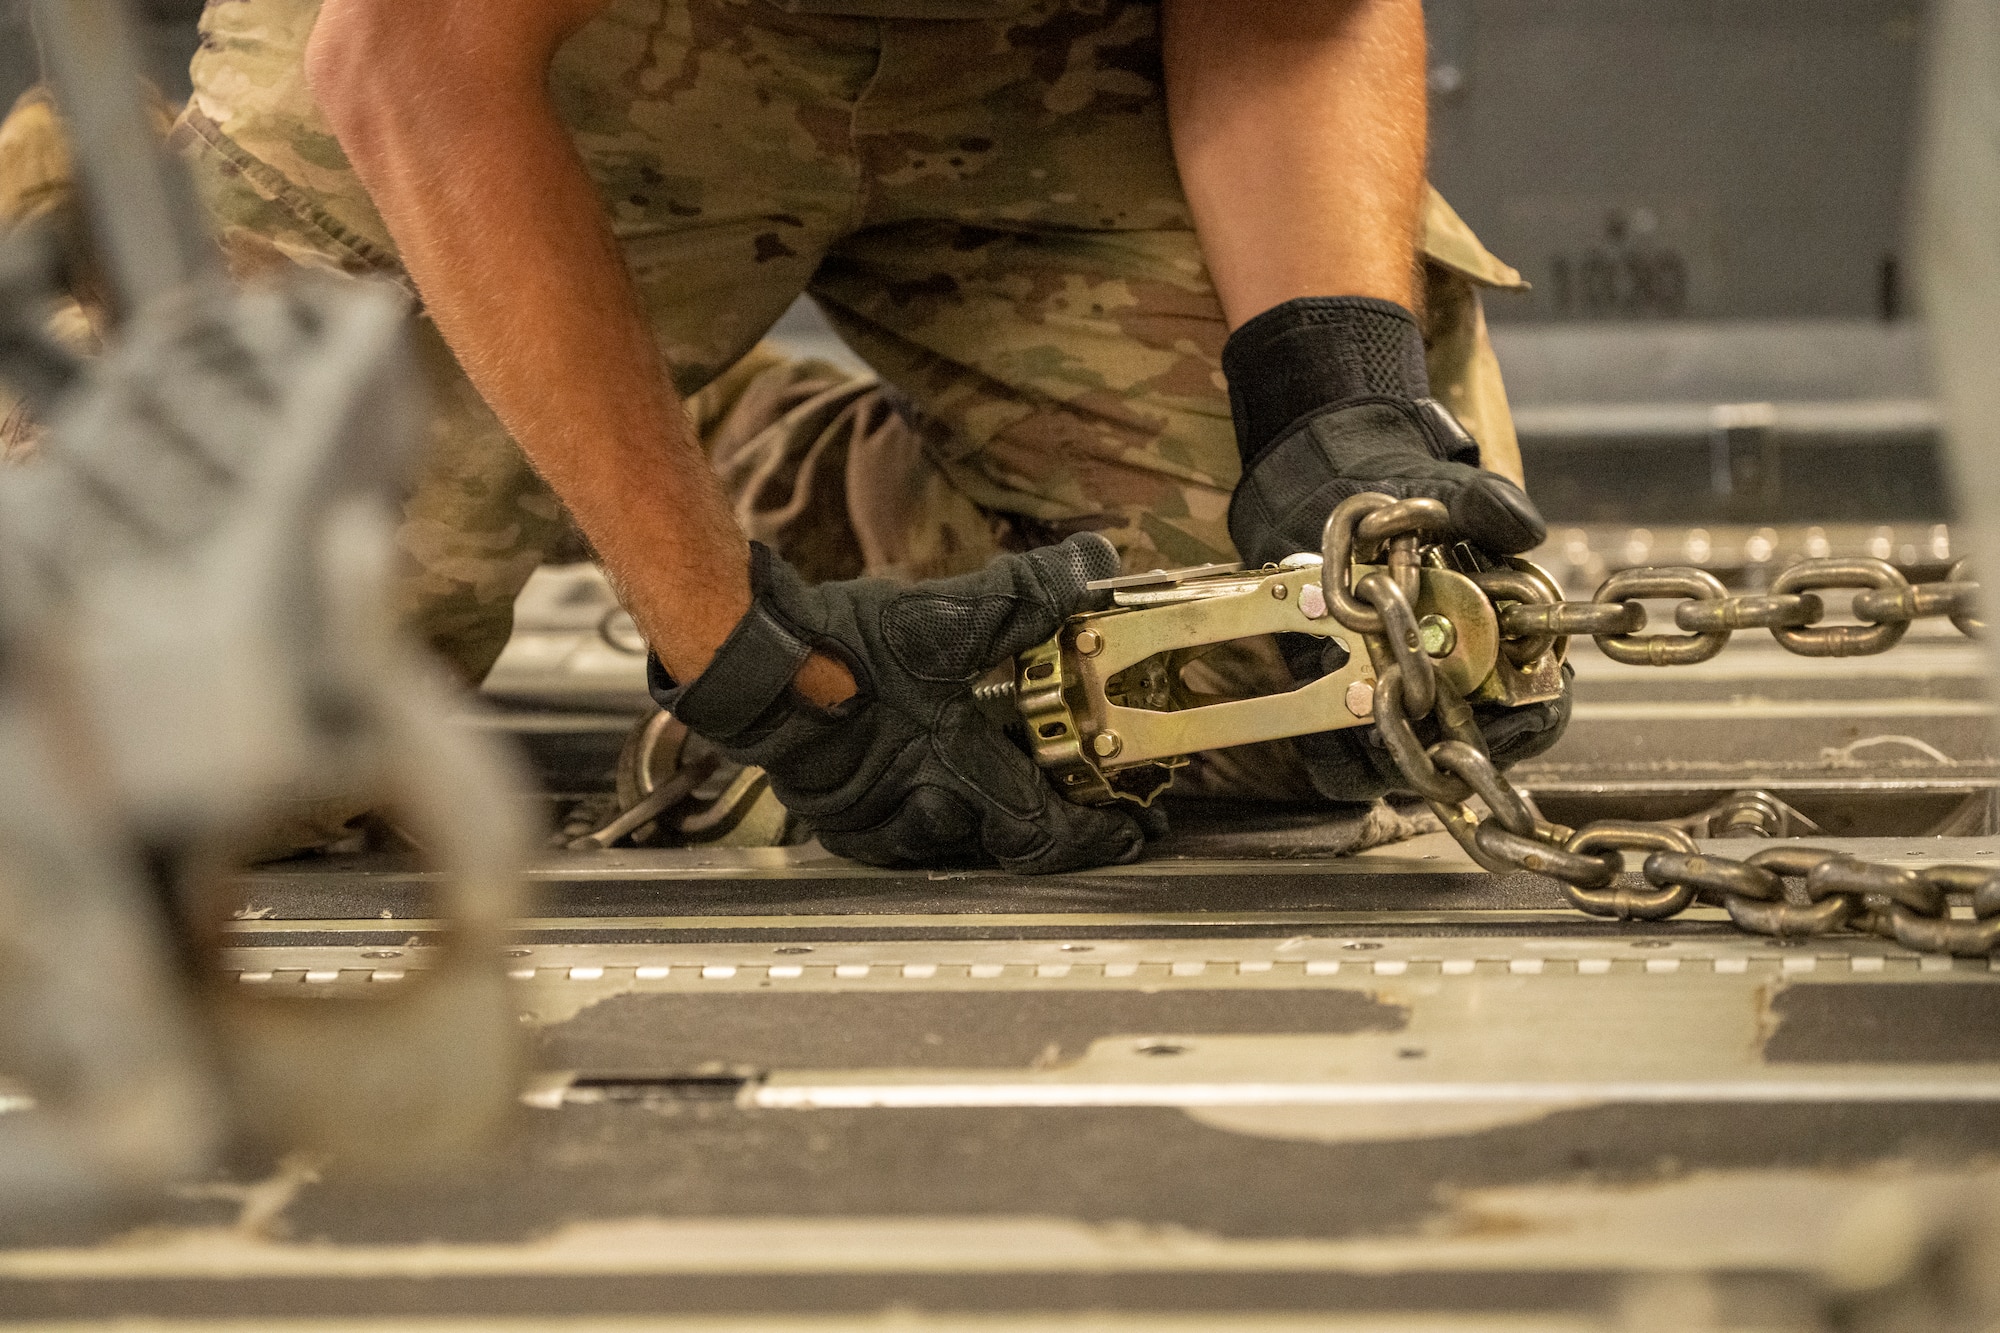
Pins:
x: 1635, y: 158
x: 1705, y: 158
x: 166, y: 27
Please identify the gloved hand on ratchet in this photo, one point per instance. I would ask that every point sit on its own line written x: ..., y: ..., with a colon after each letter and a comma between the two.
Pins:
x: 1331, y: 398
x: 908, y: 771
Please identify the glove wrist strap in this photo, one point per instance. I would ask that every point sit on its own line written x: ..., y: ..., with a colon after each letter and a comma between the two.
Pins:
x: 750, y: 671
x: 1317, y: 352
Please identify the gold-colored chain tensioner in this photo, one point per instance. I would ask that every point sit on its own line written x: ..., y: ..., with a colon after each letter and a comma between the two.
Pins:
x: 1110, y: 713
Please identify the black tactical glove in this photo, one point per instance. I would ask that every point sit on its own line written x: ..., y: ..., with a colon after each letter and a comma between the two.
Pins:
x: 1331, y: 398
x: 908, y: 772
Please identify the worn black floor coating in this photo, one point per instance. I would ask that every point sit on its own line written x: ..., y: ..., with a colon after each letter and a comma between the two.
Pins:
x: 334, y: 890
x: 1151, y: 1166
x: 1119, y: 1166
x: 1943, y: 1022
x: 870, y: 930
x: 679, y: 1033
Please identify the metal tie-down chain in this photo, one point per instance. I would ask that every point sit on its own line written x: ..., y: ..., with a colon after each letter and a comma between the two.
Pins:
x: 1786, y: 891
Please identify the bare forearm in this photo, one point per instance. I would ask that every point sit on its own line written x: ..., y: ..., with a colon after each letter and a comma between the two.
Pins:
x: 1299, y: 129
x: 502, y: 232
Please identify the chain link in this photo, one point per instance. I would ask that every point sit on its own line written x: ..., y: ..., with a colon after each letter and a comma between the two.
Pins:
x: 1400, y: 641
x: 1786, y: 891
x: 1884, y: 601
x: 1522, y: 591
x: 1859, y: 573
x: 1635, y: 649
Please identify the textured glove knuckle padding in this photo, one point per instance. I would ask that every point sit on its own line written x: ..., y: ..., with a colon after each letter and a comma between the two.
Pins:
x: 1083, y: 559
x: 960, y: 628
x: 939, y: 638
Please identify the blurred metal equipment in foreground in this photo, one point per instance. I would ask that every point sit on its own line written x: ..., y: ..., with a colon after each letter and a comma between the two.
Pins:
x: 1959, y: 254
x: 196, y: 644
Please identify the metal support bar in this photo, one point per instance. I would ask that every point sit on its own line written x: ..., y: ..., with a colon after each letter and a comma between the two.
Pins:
x: 142, y: 214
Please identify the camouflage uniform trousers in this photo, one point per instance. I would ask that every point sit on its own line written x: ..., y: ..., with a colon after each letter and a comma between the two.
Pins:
x: 985, y: 207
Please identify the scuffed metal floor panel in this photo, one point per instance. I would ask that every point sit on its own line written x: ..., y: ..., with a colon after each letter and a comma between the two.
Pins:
x: 1382, y: 1091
